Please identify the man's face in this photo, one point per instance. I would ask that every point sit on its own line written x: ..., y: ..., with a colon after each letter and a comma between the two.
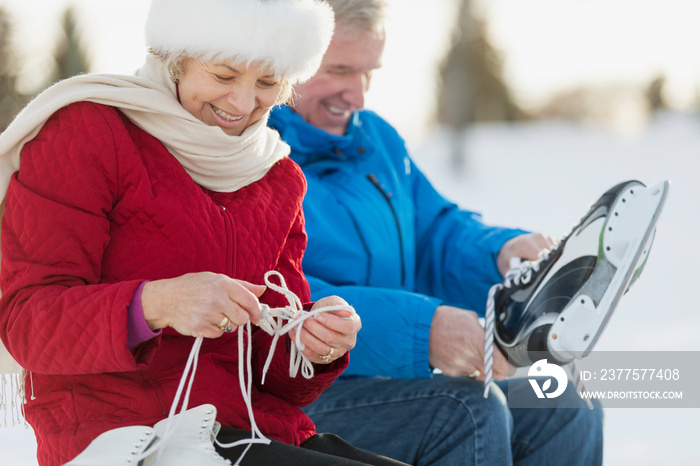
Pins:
x: 328, y: 99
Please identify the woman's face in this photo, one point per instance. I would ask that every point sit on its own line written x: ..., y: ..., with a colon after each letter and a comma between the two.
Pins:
x: 231, y: 97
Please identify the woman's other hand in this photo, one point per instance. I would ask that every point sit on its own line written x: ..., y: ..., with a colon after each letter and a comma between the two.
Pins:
x: 331, y: 334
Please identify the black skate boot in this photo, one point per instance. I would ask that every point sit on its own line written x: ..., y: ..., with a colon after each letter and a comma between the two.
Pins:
x: 560, y: 304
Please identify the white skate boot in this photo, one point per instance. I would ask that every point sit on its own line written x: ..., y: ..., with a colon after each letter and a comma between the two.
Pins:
x: 118, y: 447
x: 190, y: 438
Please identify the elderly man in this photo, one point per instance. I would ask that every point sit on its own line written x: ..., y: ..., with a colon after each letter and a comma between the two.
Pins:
x: 411, y: 263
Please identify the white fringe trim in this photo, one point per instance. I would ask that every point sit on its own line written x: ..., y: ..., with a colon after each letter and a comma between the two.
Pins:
x: 13, y: 398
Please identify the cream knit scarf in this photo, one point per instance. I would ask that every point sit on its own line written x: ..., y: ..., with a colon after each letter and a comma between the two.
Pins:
x: 212, y: 158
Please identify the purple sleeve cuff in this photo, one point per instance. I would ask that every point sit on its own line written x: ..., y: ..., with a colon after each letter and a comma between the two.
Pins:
x: 136, y: 327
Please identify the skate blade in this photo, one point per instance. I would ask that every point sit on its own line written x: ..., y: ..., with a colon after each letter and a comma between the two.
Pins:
x: 627, y: 238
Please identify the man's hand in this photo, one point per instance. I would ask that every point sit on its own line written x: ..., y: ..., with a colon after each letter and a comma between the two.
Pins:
x: 457, y: 345
x: 526, y: 246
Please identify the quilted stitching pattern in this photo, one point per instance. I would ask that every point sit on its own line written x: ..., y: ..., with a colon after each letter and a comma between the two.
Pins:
x: 98, y: 202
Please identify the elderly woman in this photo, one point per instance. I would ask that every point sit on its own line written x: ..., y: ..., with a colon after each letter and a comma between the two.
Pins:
x: 145, y: 213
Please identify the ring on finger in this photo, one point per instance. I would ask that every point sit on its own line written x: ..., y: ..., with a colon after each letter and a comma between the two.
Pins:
x: 225, y: 325
x: 327, y: 357
x: 475, y: 374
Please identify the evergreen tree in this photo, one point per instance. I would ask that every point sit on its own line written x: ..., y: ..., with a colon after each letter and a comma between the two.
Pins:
x: 10, y: 101
x: 69, y: 55
x: 471, y: 84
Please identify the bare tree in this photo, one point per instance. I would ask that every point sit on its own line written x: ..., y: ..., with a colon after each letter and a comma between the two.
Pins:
x: 655, y: 94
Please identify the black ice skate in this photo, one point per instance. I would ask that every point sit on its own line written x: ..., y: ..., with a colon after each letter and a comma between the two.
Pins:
x: 560, y: 304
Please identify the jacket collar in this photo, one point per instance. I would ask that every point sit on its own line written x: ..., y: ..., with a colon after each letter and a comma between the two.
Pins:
x: 310, y: 144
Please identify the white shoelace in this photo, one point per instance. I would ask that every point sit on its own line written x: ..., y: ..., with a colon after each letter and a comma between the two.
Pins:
x: 272, y: 322
x: 520, y: 271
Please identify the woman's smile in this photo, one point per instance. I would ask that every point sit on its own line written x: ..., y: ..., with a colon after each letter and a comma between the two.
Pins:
x: 224, y: 115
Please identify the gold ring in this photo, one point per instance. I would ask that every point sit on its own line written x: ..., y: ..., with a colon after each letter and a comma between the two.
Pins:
x: 225, y: 325
x: 475, y: 374
x: 327, y: 357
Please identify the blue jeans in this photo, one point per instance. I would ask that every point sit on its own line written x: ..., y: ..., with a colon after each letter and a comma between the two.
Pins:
x: 447, y: 421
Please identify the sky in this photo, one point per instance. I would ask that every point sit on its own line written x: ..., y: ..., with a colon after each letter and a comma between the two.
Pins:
x: 557, y: 43
x: 546, y: 45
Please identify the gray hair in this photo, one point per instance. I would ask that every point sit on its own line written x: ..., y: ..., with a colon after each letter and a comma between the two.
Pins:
x: 361, y: 15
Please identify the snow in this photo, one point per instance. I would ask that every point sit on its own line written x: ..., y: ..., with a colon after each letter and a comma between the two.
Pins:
x: 543, y: 176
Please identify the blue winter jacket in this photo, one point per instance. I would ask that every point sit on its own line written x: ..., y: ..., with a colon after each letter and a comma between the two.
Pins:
x: 385, y: 240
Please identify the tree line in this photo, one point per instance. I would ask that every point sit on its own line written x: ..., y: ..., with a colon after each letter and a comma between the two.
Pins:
x: 472, y: 89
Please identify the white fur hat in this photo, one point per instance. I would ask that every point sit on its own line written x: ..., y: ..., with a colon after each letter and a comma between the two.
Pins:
x: 289, y: 36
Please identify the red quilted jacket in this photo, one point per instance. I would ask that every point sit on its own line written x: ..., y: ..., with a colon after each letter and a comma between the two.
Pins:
x: 97, y: 207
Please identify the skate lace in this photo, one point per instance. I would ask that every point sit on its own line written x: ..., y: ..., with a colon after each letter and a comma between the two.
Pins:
x: 272, y: 322
x: 519, y: 272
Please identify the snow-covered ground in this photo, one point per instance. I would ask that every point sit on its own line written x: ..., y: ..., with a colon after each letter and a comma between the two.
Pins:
x: 543, y: 176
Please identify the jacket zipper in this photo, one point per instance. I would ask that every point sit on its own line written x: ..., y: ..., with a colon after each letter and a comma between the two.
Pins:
x: 375, y: 181
x: 230, y: 240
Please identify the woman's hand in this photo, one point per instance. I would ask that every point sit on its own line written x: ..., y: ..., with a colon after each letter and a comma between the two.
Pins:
x: 329, y: 335
x: 196, y: 304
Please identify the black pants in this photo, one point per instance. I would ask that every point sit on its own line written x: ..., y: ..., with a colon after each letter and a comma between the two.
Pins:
x: 321, y: 449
